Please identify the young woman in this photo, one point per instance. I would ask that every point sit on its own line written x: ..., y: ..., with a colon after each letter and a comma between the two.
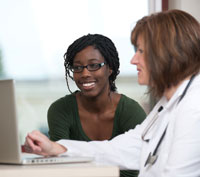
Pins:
x: 167, y: 143
x: 96, y: 111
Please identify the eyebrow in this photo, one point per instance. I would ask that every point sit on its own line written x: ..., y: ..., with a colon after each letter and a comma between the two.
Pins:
x: 90, y: 60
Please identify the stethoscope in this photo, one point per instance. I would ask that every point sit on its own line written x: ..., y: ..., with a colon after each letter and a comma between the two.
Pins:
x: 152, y: 157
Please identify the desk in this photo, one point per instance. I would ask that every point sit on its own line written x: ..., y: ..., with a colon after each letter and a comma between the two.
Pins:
x: 59, y: 170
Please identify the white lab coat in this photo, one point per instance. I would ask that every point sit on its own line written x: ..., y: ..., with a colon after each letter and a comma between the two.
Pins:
x: 179, y: 151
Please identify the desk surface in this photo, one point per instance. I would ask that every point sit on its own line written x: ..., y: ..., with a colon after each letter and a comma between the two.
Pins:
x: 59, y: 170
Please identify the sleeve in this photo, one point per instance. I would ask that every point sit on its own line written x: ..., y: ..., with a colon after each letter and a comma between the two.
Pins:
x: 184, y: 156
x: 59, y: 119
x: 131, y: 114
x: 123, y: 150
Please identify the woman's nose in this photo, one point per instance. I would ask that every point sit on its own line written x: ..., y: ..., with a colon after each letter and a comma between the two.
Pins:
x: 85, y: 72
x: 134, y: 59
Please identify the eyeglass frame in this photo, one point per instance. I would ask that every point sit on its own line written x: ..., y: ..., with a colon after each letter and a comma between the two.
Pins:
x: 86, y: 66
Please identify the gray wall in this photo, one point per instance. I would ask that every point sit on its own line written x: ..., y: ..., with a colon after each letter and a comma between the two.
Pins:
x: 190, y: 6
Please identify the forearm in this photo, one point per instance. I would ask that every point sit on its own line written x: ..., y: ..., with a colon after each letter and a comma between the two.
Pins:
x: 120, y: 151
x: 57, y: 149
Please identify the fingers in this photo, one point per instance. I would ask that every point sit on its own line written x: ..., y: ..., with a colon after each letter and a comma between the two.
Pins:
x: 38, y: 143
x: 30, y: 147
x: 37, y: 137
x: 27, y: 149
x: 32, y: 143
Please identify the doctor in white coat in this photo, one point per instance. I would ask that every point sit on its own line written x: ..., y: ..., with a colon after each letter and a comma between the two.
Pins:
x: 167, y: 143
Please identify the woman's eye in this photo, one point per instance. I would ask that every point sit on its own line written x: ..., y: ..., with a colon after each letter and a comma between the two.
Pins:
x: 140, y: 50
x: 93, y: 65
x: 76, y: 67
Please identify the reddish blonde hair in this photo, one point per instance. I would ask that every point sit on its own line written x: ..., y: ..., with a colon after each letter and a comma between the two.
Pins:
x: 171, y: 47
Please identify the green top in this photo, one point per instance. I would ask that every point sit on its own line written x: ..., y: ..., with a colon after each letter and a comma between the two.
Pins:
x: 64, y: 121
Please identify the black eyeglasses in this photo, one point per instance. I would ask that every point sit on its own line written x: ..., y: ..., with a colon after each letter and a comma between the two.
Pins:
x: 90, y: 67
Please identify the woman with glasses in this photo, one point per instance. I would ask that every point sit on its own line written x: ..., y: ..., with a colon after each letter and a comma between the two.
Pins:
x: 167, y: 143
x: 96, y: 111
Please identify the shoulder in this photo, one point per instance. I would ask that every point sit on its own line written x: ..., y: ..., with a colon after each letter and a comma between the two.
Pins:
x: 131, y: 105
x: 127, y: 99
x: 188, y: 110
x: 130, y: 110
x: 190, y: 101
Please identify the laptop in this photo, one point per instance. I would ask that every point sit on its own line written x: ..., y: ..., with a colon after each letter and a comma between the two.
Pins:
x: 10, y: 148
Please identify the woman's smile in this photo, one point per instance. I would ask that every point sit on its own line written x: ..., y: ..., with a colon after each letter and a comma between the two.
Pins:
x: 88, y: 85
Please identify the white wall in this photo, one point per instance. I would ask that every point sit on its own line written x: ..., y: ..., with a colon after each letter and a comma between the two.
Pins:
x: 190, y: 6
x: 155, y: 6
x: 34, y: 34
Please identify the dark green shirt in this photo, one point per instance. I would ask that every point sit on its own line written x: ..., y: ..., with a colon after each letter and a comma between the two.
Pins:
x: 64, y: 121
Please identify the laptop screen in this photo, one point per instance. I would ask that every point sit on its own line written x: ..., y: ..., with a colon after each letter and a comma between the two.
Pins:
x: 9, y: 135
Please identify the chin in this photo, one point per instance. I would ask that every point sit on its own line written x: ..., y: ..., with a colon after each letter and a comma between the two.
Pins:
x: 89, y: 94
x: 142, y: 82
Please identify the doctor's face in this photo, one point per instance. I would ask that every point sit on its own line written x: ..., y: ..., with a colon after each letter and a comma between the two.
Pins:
x: 139, y: 60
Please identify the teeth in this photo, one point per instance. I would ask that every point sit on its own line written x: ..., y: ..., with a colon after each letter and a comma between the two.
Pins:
x: 88, y: 84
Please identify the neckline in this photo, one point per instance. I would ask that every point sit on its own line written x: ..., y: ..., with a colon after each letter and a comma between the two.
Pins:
x: 116, y: 117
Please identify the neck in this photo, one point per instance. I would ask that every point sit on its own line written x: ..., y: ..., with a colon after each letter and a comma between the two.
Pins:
x: 97, y: 104
x: 168, y: 93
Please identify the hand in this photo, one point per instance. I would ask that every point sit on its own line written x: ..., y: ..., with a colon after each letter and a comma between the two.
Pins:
x: 38, y: 143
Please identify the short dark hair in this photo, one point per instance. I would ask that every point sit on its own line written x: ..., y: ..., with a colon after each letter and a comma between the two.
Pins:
x: 105, y: 46
x: 171, y: 48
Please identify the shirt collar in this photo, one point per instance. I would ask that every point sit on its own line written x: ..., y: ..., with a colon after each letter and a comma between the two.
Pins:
x: 176, y: 96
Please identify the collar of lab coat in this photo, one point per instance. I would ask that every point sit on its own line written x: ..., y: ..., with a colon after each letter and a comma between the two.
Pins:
x: 162, y: 122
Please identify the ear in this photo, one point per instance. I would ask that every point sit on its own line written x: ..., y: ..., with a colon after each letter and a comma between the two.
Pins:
x: 110, y: 71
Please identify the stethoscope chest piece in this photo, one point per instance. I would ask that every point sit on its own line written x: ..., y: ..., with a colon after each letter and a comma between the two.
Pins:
x: 151, y: 159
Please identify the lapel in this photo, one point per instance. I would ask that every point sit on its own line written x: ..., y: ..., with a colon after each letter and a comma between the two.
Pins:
x: 155, y: 134
x: 151, y: 118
